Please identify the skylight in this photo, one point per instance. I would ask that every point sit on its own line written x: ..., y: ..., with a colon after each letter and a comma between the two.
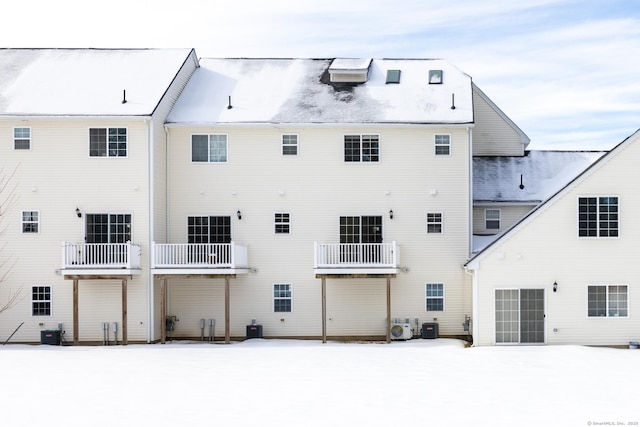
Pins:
x: 435, y: 77
x: 393, y: 76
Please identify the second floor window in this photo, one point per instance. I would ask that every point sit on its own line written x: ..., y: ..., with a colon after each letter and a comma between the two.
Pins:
x: 598, y: 217
x: 361, y: 148
x: 108, y: 142
x: 22, y: 138
x: 492, y: 219
x: 209, y: 148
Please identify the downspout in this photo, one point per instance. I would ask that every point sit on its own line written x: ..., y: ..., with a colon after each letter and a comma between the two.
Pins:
x: 474, y: 305
x: 150, y: 199
x: 470, y: 219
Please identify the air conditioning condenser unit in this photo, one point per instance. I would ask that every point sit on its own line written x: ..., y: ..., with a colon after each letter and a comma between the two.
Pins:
x: 401, y: 331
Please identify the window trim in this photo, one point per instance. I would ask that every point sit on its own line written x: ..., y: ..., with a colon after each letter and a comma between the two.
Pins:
x: 24, y: 222
x: 360, y: 148
x: 16, y: 139
x: 434, y: 297
x: 499, y: 219
x: 289, y: 289
x: 606, y: 301
x: 107, y: 151
x: 282, y: 223
x: 437, y: 144
x: 209, y: 135
x: 597, y: 220
x: 435, y: 223
x: 47, y: 301
x: 289, y: 145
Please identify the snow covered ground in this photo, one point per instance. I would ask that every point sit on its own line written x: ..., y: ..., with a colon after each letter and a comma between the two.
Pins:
x: 307, y: 383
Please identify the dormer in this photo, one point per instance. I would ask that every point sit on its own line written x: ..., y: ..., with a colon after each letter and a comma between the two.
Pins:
x: 348, y: 70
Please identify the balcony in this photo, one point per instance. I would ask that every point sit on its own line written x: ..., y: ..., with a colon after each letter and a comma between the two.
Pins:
x: 100, y: 258
x: 199, y: 258
x: 356, y: 258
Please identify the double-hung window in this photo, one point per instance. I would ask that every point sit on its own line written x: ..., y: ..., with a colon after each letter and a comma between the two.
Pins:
x: 435, y: 296
x: 209, y: 148
x: 434, y: 222
x: 443, y: 145
x: 282, y: 223
x: 492, y: 219
x: 108, y: 142
x: 30, y: 221
x: 598, y: 216
x: 41, y: 301
x: 361, y: 148
x: 289, y: 145
x: 282, y: 298
x: 607, y: 301
x: 22, y: 138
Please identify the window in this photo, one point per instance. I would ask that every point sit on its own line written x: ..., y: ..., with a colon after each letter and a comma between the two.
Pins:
x: 30, y: 221
x: 434, y: 223
x: 209, y: 229
x: 209, y: 148
x: 443, y: 145
x: 492, y: 219
x: 282, y: 222
x: 598, y: 217
x: 435, y: 77
x: 22, y: 138
x: 289, y: 145
x: 108, y: 228
x: 41, y: 301
x: 281, y: 298
x: 108, y: 142
x: 435, y: 296
x: 607, y: 301
x: 361, y: 148
x: 393, y: 76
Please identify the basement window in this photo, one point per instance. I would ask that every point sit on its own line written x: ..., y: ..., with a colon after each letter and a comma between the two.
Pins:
x: 393, y: 76
x: 435, y: 77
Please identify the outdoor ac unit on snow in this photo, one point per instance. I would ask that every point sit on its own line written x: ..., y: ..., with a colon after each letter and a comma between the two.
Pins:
x: 401, y: 331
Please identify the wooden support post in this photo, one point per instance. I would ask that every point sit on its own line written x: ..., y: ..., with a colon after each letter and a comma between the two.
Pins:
x: 124, y: 312
x: 76, y: 329
x: 227, y: 339
x: 163, y: 310
x: 388, y: 310
x: 324, y: 310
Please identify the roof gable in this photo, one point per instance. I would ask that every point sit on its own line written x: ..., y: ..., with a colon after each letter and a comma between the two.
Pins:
x: 513, y: 230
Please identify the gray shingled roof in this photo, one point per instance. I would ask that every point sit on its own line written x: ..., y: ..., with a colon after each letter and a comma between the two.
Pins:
x: 498, y: 178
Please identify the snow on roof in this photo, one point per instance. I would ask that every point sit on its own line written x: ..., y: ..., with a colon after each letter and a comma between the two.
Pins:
x: 54, y: 82
x: 350, y: 64
x: 497, y: 178
x: 298, y: 91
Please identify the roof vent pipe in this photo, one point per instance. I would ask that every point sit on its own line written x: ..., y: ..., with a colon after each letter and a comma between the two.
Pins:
x: 229, y: 107
x: 521, y: 184
x: 453, y: 101
x: 124, y: 96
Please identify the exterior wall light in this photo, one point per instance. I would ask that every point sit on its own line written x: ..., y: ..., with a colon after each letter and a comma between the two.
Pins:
x: 239, y: 214
x: 78, y: 213
x: 391, y: 214
x: 555, y: 286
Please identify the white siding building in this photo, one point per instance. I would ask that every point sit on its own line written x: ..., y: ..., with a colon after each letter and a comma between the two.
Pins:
x: 565, y: 273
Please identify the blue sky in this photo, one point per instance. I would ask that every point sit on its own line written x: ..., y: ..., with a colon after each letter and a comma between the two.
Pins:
x: 566, y: 71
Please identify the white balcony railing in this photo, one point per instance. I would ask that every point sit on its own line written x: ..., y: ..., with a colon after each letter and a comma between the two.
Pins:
x: 361, y: 255
x: 100, y: 255
x: 199, y: 255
